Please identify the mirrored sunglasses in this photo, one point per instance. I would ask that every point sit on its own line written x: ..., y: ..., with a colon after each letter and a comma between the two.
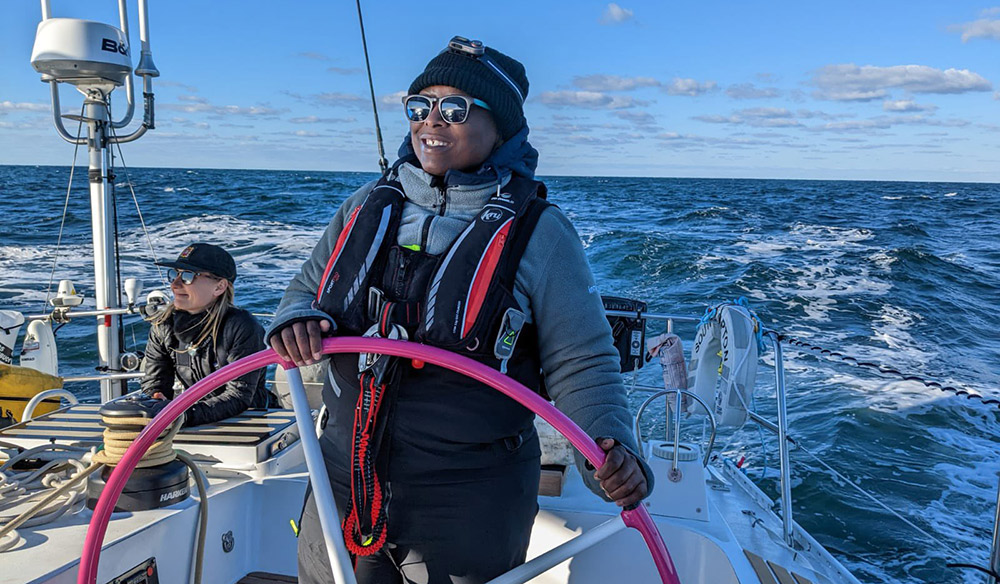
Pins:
x: 454, y: 109
x: 187, y: 276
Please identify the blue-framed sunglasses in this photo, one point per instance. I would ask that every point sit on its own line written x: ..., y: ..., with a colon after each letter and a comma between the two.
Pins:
x: 187, y: 276
x: 454, y: 109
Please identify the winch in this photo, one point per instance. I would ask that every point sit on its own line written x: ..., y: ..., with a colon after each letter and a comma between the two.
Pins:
x: 160, y: 478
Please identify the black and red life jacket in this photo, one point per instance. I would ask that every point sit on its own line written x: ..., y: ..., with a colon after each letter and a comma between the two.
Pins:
x: 462, y: 300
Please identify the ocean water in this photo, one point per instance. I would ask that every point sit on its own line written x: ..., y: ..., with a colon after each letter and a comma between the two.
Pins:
x: 903, y: 274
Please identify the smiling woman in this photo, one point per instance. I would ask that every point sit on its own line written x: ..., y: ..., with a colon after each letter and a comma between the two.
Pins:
x: 455, y: 246
x: 201, y: 331
x: 444, y: 138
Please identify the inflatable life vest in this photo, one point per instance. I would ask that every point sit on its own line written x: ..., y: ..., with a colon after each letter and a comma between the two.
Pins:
x: 724, y: 361
x: 462, y: 301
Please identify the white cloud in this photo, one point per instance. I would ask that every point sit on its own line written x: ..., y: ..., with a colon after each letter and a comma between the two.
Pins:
x: 906, y: 105
x: 192, y: 98
x: 331, y: 98
x: 759, y: 117
x: 853, y: 83
x: 751, y: 91
x: 319, y: 120
x: 693, y: 141
x: 588, y: 99
x: 315, y: 56
x: 690, y: 87
x: 615, y: 14
x: 8, y: 106
x: 392, y: 98
x: 19, y: 125
x: 337, y: 98
x: 223, y: 110
x: 613, y: 82
x: 886, y: 122
x: 854, y: 126
x: 343, y: 70
x: 184, y: 86
x: 984, y: 28
x: 643, y: 119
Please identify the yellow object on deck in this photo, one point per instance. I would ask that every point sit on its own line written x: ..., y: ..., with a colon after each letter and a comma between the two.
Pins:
x: 19, y: 384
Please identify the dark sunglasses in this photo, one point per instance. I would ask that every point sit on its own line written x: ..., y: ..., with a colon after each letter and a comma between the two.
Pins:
x: 187, y: 276
x: 454, y: 109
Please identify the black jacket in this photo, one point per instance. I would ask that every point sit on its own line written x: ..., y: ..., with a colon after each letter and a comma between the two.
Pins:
x: 241, y: 335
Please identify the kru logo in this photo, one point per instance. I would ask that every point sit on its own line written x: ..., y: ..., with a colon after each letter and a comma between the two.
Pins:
x: 113, y: 47
x: 491, y: 215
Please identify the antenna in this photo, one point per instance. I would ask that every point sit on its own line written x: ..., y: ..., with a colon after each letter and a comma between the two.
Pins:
x: 382, y: 162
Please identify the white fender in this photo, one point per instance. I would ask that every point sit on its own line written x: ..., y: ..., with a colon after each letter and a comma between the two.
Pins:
x: 724, y: 363
x: 10, y: 324
x: 39, y: 348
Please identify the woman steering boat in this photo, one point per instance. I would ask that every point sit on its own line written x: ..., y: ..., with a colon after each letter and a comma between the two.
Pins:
x: 436, y: 474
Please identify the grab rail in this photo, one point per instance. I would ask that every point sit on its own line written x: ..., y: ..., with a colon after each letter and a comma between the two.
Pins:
x: 36, y: 399
x: 661, y: 393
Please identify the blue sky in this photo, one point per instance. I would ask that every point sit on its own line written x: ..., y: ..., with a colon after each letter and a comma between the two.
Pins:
x: 886, y: 90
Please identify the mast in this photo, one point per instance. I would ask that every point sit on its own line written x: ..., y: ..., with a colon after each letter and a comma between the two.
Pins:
x: 106, y: 294
x: 96, y: 58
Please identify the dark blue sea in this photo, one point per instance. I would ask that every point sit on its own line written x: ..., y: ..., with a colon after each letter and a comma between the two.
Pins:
x: 899, y: 273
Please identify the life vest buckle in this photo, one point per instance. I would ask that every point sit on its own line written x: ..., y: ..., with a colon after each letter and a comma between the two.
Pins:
x: 510, y: 328
x: 375, y: 364
x: 376, y: 299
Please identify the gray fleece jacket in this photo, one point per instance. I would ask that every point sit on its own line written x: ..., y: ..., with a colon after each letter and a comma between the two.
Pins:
x: 554, y: 286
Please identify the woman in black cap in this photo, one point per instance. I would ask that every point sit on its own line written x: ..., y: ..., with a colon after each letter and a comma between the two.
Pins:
x: 437, y: 475
x: 200, y: 332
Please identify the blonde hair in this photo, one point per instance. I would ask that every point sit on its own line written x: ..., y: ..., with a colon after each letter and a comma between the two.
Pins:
x: 210, y: 323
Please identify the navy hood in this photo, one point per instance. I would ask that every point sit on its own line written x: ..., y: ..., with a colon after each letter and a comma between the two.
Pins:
x: 515, y: 156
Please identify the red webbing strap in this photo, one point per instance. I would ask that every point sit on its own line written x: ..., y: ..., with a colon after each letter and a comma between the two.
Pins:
x: 364, y: 521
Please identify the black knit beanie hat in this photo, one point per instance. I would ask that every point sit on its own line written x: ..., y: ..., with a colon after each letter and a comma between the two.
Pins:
x: 475, y: 77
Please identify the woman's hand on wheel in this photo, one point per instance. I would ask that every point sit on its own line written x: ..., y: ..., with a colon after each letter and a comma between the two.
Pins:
x: 301, y: 342
x: 621, y: 476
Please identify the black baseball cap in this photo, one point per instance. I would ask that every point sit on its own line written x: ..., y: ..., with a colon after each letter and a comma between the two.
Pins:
x: 205, y: 257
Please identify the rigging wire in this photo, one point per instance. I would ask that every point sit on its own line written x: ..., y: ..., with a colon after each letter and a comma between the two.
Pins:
x: 382, y: 162
x: 142, y: 221
x: 62, y: 222
x: 874, y: 499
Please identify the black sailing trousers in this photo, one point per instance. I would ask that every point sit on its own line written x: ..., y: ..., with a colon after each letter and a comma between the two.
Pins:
x: 453, y: 524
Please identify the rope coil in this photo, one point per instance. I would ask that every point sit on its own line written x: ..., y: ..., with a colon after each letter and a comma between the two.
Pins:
x: 119, y: 432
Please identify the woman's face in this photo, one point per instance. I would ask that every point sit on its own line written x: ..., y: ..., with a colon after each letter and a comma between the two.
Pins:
x: 441, y: 146
x: 199, y: 294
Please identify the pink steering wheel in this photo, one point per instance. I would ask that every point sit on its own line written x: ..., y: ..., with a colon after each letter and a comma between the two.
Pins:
x: 637, y: 518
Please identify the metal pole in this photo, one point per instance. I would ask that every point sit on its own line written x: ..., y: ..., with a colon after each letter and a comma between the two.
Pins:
x: 111, y: 376
x: 102, y: 212
x: 786, y: 480
x: 326, y: 507
x: 995, y: 550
